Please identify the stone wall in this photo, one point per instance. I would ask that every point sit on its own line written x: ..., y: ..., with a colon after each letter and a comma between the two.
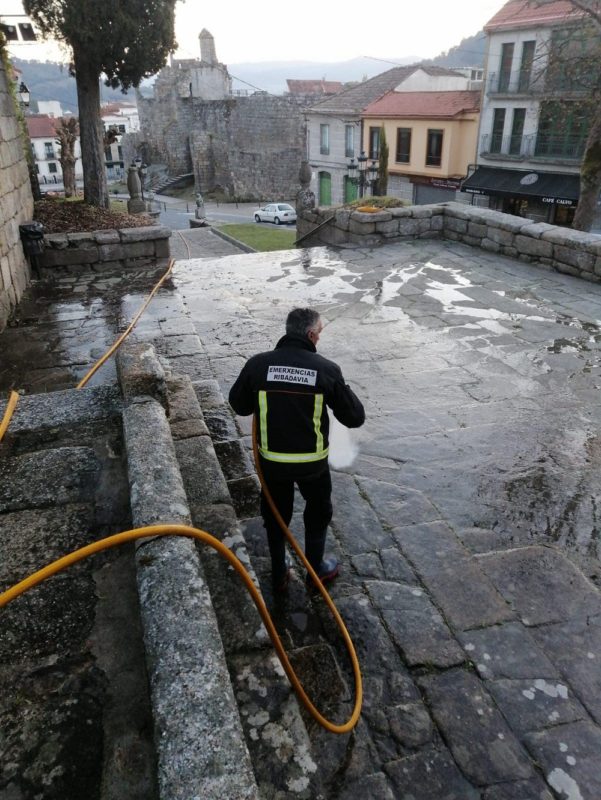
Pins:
x: 249, y: 147
x: 16, y: 203
x: 562, y: 249
x: 113, y: 249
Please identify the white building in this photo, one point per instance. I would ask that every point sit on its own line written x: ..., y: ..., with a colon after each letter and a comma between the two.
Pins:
x: 46, y: 150
x: 120, y: 119
x: 530, y: 148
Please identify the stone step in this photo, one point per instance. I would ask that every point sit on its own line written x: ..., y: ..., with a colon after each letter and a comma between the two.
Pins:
x: 71, y: 414
x: 191, y: 695
x: 221, y: 487
x: 48, y: 478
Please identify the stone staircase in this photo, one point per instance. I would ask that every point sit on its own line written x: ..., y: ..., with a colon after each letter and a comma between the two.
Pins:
x: 170, y: 182
x: 211, y: 669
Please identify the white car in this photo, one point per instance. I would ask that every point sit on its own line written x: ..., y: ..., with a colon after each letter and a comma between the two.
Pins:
x: 280, y: 213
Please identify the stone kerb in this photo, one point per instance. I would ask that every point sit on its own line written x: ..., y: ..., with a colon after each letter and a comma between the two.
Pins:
x: 562, y: 249
x: 123, y: 248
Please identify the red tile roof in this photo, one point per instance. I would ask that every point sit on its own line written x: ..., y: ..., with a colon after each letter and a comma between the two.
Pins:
x: 520, y: 13
x: 313, y: 86
x: 424, y: 104
x: 40, y: 125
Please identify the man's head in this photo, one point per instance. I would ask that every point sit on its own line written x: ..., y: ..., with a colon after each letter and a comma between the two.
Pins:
x: 304, y: 322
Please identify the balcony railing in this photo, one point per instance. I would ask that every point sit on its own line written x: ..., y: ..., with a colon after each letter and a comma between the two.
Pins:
x: 517, y: 82
x: 532, y: 146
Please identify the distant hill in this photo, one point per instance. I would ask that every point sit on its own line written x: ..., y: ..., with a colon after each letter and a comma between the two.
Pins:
x: 469, y: 53
x: 47, y: 80
x: 271, y: 76
x: 50, y: 81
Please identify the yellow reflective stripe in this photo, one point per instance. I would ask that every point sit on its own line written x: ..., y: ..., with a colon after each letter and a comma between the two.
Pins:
x: 293, y: 458
x: 317, y: 423
x: 263, y: 419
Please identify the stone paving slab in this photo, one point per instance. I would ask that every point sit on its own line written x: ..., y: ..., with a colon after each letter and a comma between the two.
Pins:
x: 459, y: 586
x: 507, y: 651
x: 541, y: 584
x: 415, y: 625
x: 535, y: 705
x: 569, y: 756
x: 479, y: 738
x: 575, y: 647
x: 430, y: 774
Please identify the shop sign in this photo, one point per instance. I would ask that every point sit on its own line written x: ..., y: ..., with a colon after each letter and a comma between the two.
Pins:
x: 558, y: 201
x: 438, y: 183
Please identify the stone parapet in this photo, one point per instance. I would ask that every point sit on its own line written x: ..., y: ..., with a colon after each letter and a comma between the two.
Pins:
x: 563, y: 249
x: 126, y: 247
x: 16, y: 203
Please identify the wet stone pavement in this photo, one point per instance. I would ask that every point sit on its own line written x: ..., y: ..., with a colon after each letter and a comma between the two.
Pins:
x: 466, y: 524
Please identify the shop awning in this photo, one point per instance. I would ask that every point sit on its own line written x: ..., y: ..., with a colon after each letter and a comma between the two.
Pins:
x: 549, y: 187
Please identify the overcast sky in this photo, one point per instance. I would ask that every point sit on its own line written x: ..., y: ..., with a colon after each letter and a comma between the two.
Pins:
x: 315, y: 30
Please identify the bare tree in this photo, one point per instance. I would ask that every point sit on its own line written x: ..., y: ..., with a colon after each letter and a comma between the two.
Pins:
x: 67, y: 131
x: 575, y: 77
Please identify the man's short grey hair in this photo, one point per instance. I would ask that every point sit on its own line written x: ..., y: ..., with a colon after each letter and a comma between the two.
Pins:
x: 301, y: 321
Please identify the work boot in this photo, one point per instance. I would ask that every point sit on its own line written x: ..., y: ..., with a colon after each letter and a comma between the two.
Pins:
x: 327, y: 571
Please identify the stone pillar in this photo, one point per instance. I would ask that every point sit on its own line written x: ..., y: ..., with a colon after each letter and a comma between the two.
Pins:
x: 305, y: 198
x: 135, y: 204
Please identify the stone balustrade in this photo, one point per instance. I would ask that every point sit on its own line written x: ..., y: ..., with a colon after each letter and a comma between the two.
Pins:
x: 111, y: 249
x: 562, y: 249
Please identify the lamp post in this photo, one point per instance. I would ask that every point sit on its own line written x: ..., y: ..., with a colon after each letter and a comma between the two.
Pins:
x: 362, y: 175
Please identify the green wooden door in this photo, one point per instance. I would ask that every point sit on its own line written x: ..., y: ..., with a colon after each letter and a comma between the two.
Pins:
x: 325, y: 189
x: 350, y: 190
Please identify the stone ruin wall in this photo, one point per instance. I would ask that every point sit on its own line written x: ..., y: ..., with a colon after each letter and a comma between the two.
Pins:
x: 16, y: 204
x: 250, y: 147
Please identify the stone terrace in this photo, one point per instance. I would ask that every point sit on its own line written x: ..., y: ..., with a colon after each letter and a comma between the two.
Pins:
x: 467, y: 523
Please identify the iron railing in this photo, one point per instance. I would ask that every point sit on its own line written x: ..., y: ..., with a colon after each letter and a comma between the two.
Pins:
x: 516, y: 82
x: 533, y: 146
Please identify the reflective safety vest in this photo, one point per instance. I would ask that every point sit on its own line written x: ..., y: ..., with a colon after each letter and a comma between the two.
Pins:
x: 292, y: 426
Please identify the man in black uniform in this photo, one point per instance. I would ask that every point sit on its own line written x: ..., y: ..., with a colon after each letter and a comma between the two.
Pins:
x: 288, y: 389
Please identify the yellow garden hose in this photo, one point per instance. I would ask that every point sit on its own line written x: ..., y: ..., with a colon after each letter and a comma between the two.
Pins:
x: 188, y: 531
x: 128, y: 330
x: 13, y: 399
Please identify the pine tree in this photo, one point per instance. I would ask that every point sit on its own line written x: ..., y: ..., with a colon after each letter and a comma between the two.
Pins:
x: 121, y: 40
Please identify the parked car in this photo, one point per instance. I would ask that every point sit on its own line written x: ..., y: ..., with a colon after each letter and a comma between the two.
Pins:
x: 280, y: 213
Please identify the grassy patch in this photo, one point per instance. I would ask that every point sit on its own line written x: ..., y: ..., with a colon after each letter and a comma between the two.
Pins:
x: 118, y: 205
x: 263, y: 238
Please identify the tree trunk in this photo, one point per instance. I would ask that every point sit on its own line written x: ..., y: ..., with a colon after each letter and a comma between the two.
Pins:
x: 590, y: 177
x: 68, y: 167
x: 90, y: 130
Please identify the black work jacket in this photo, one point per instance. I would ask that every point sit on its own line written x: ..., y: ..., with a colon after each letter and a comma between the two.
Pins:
x: 289, y: 389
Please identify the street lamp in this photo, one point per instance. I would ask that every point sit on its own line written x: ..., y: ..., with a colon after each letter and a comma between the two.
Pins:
x: 362, y: 175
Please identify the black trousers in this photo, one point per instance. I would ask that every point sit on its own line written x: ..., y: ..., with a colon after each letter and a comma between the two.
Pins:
x: 317, y: 494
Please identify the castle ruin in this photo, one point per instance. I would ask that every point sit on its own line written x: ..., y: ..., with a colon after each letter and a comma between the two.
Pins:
x: 248, y: 146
